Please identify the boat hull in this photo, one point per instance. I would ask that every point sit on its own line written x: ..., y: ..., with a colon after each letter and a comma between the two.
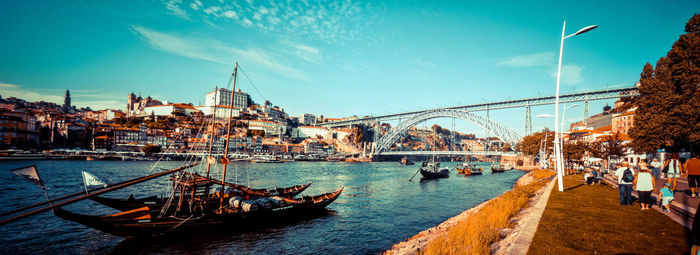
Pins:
x: 140, y: 223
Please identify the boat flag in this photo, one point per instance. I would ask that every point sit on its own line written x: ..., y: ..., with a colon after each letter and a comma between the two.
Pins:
x: 91, y: 180
x: 30, y: 173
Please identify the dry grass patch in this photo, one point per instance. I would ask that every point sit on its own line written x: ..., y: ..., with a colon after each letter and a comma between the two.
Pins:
x: 474, y: 234
x: 588, y: 219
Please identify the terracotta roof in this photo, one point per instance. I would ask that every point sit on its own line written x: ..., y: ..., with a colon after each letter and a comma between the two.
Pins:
x: 604, y: 128
x: 311, y: 127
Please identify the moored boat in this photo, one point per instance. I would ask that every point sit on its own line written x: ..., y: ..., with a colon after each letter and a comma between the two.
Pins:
x: 140, y: 222
x: 432, y: 169
x: 407, y: 161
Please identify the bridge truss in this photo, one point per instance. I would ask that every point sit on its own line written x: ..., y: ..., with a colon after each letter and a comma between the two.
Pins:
x: 500, y: 131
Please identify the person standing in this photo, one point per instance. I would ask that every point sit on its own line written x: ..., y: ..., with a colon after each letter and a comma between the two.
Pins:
x: 645, y: 184
x: 656, y: 168
x: 674, y: 170
x: 625, y: 179
x: 692, y: 167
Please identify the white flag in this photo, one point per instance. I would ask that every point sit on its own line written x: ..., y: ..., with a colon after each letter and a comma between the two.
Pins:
x: 91, y: 180
x: 30, y: 173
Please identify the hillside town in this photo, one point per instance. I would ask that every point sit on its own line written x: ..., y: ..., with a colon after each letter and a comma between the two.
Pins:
x: 151, y: 125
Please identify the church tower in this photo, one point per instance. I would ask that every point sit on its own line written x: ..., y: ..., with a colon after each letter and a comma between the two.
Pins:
x: 66, y: 102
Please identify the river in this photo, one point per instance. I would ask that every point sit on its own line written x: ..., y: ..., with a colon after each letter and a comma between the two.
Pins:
x: 378, y: 208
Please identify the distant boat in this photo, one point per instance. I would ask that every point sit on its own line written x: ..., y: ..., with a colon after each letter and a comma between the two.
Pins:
x: 266, y: 159
x: 497, y: 168
x: 407, y: 161
x: 468, y: 168
x: 432, y: 169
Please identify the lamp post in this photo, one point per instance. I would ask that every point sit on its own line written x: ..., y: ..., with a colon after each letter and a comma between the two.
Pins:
x: 561, y: 131
x: 557, y: 145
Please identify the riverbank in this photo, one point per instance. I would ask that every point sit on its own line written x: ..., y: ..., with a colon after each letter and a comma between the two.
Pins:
x: 473, y: 231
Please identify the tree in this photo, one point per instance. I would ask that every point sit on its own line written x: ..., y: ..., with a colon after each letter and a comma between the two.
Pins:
x: 668, y: 113
x: 151, y: 149
x: 606, y: 147
x: 530, y: 145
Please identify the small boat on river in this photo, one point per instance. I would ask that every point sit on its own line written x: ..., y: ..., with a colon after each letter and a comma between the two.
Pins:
x: 468, y: 168
x: 432, y: 169
x: 497, y: 168
x: 407, y: 161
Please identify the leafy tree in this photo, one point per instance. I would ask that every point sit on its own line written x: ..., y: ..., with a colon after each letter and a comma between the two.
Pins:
x: 668, y: 114
x: 436, y: 128
x: 575, y: 150
x: 609, y: 146
x: 530, y: 145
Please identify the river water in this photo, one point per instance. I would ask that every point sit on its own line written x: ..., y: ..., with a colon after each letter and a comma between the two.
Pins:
x: 378, y: 208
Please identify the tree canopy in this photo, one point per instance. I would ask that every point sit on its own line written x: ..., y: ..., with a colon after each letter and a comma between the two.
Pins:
x: 530, y: 145
x: 668, y: 113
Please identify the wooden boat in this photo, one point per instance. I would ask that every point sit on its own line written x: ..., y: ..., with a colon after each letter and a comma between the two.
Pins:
x: 431, y: 170
x: 156, y: 203
x: 407, y: 161
x: 141, y: 223
x: 497, y: 168
x: 468, y: 168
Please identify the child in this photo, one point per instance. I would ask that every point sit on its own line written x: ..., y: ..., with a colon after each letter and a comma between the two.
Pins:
x: 666, y: 197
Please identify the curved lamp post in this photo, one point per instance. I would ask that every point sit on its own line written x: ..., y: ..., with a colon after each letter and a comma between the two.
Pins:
x: 557, y: 145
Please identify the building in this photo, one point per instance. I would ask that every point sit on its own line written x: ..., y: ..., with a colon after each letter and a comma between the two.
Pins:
x: 271, y: 128
x: 222, y: 111
x: 135, y: 106
x: 170, y: 109
x: 304, y: 132
x: 307, y: 119
x: 223, y: 97
x: 600, y: 120
x: 621, y: 123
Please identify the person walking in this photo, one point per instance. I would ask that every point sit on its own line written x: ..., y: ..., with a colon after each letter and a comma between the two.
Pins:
x: 625, y: 179
x: 674, y: 170
x: 666, y: 196
x: 692, y: 167
x: 656, y: 168
x: 645, y: 184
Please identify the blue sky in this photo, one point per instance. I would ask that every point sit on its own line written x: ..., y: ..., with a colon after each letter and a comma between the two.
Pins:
x: 335, y: 58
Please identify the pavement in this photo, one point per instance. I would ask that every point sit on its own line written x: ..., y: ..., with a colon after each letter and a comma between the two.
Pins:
x: 683, y: 206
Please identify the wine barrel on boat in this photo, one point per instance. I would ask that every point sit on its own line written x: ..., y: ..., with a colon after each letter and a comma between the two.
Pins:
x: 235, y: 202
x: 278, y: 201
x: 264, y: 202
x: 248, y: 205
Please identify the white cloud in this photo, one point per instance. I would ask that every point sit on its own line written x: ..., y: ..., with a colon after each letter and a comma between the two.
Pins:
x: 570, y: 74
x: 537, y: 59
x: 12, y: 90
x: 95, y: 99
x: 174, y: 7
x: 334, y: 21
x: 216, y: 51
x: 230, y: 14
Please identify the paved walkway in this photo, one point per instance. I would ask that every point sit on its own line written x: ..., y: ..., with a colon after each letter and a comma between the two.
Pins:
x: 683, y: 206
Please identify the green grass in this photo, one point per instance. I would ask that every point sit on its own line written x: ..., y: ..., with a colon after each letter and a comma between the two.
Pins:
x: 474, y: 234
x: 588, y: 219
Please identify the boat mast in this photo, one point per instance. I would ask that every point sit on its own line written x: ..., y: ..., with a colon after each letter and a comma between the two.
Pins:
x: 228, y: 137
x: 211, y: 137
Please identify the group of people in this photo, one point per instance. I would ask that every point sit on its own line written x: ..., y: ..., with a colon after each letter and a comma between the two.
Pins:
x: 643, y: 180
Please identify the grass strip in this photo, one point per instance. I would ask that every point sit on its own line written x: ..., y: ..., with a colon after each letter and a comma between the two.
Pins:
x: 479, y: 230
x: 588, y: 219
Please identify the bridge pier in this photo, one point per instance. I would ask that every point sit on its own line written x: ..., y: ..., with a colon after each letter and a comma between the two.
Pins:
x: 528, y: 121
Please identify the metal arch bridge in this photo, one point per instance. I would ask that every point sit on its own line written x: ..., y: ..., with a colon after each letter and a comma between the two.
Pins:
x: 516, y: 103
x: 500, y: 131
x: 451, y: 153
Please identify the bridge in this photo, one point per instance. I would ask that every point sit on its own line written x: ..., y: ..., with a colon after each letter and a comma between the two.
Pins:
x: 449, y: 153
x: 465, y: 112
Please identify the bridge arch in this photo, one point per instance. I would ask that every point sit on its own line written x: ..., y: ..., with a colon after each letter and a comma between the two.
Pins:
x: 500, y: 131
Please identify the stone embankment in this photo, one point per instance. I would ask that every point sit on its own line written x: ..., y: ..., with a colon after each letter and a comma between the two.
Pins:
x: 416, y: 243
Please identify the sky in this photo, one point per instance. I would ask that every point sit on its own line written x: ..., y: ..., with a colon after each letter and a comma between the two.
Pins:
x: 333, y: 58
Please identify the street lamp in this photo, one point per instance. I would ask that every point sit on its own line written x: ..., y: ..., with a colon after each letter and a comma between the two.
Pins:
x: 561, y: 131
x: 557, y: 145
